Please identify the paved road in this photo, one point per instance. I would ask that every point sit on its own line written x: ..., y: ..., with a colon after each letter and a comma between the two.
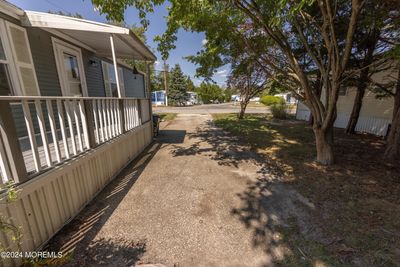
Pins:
x: 195, y: 198
x: 211, y: 108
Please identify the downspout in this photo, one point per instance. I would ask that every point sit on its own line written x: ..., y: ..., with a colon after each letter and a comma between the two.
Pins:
x: 149, y: 95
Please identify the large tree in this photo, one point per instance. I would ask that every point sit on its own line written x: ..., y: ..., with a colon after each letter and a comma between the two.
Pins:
x: 249, y: 81
x: 393, y: 141
x: 374, y: 38
x: 210, y: 93
x: 302, y: 38
x: 190, y: 87
x: 177, y: 94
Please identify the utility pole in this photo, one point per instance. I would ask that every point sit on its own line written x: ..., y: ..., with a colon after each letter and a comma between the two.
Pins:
x: 166, y: 82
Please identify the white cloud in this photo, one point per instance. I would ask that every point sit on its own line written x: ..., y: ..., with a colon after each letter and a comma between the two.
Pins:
x: 204, y: 41
x: 221, y: 72
x: 157, y: 63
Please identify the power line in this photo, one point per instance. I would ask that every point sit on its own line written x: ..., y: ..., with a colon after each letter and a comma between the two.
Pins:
x: 60, y: 7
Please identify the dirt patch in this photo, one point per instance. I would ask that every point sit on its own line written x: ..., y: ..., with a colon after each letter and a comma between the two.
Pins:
x: 356, y: 201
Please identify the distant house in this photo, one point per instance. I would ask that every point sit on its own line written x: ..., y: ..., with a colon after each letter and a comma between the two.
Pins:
x: 235, y: 98
x: 255, y: 99
x: 376, y: 113
x: 193, y: 98
x: 158, y: 98
x: 288, y: 97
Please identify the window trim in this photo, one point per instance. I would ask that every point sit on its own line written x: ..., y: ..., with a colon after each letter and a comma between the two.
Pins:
x: 59, y: 48
x: 14, y: 69
x: 120, y: 76
x: 146, y: 91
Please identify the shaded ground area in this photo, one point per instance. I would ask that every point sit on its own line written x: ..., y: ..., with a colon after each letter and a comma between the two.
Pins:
x: 197, y: 198
x: 356, y: 201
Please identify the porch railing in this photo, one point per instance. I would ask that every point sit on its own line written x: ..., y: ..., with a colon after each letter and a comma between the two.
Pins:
x: 37, y: 133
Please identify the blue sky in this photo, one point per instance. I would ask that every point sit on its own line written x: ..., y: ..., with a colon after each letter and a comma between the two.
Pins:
x: 188, y: 43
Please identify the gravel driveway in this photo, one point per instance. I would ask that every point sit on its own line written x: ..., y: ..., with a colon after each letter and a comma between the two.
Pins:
x: 195, y: 198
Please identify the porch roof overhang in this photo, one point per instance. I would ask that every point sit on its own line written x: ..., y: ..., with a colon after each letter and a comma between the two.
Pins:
x: 94, y: 35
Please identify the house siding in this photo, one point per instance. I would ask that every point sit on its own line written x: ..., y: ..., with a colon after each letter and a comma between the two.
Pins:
x: 46, y: 68
x: 46, y: 71
x: 375, y: 114
x: 133, y: 87
x: 41, y: 46
x: 44, y: 61
x: 93, y: 74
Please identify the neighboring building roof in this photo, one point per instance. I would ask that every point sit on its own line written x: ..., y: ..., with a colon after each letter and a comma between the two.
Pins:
x: 92, y: 35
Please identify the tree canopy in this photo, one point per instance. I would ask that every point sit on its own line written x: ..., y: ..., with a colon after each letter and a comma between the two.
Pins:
x: 303, y: 45
x: 177, y: 94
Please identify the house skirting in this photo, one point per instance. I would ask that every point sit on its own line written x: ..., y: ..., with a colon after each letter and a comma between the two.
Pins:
x: 50, y: 200
x: 366, y: 124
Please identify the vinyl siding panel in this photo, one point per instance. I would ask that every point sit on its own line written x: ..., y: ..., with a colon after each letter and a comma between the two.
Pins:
x: 94, y: 74
x: 44, y: 61
x: 375, y: 115
x: 133, y: 87
x: 302, y: 112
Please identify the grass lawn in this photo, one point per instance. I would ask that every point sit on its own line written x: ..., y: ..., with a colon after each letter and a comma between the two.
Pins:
x: 167, y: 116
x: 357, y: 200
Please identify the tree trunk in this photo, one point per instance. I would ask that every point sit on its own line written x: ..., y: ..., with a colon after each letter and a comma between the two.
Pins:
x: 393, y: 141
x: 318, y: 89
x: 355, y: 113
x: 362, y: 84
x: 324, y: 141
x: 324, y: 145
x: 243, y: 106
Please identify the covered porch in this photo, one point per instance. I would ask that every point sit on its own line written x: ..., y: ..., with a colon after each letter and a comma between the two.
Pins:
x: 60, y: 151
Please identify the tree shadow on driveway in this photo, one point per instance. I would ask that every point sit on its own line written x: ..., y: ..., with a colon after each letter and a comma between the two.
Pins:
x: 77, y: 240
x: 269, y: 207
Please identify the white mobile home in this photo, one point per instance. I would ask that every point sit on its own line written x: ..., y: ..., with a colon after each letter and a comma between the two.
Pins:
x: 193, y: 98
x: 376, y: 113
x: 288, y: 97
x: 158, y: 98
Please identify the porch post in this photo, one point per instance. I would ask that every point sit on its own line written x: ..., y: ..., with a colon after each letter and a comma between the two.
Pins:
x: 88, y: 106
x: 9, y: 137
x: 149, y: 90
x: 115, y: 65
x: 121, y: 105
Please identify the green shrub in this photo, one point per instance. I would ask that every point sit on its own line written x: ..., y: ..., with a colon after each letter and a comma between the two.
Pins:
x: 279, y: 111
x: 270, y: 100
